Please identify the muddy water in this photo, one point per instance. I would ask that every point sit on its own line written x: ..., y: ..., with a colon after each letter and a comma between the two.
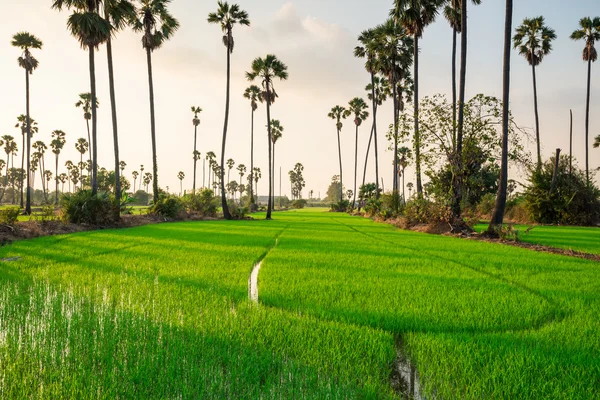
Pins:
x: 253, y: 283
x: 405, y: 378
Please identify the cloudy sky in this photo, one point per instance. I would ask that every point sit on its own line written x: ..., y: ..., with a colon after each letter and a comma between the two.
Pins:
x: 315, y: 38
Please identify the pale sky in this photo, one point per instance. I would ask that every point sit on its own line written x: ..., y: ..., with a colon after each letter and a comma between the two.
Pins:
x: 315, y: 38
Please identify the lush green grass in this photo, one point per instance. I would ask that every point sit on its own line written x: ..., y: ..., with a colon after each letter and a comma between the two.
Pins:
x: 162, y: 311
x: 583, y: 239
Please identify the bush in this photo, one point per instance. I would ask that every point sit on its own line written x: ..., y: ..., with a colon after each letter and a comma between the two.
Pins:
x: 237, y: 211
x: 9, y: 215
x: 203, y: 203
x: 83, y: 208
x: 340, y: 206
x: 372, y: 207
x: 422, y: 211
x: 300, y: 203
x: 48, y: 214
x: 168, y: 207
x: 486, y: 206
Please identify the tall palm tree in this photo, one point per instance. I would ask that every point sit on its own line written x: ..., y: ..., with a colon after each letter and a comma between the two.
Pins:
x: 242, y: 171
x: 91, y: 30
x: 230, y: 164
x: 267, y: 69
x: 10, y: 147
x: 85, y: 103
x: 210, y: 157
x: 589, y: 30
x: 69, y: 166
x: 158, y: 26
x: 41, y: 148
x: 22, y: 124
x: 358, y: 108
x: 227, y: 17
x: 498, y: 214
x: 26, y: 41
x: 196, y: 122
x: 378, y: 92
x: 404, y: 155
x: 256, y: 174
x: 135, y: 175
x: 180, y: 176
x: 533, y: 40
x: 414, y: 16
x: 337, y: 113
x: 82, y: 147
x: 252, y: 93
x: 453, y: 15
x: 276, y: 134
x: 119, y: 14
x: 57, y: 144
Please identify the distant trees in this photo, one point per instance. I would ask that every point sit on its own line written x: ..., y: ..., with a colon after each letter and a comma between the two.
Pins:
x: 181, y: 177
x: 357, y: 108
x: 57, y: 144
x: 337, y: 113
x: 196, y: 123
x: 253, y: 94
x: 276, y: 134
x: 297, y: 181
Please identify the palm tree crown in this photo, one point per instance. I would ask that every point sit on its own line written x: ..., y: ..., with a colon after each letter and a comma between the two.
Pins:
x: 227, y: 16
x: 336, y: 114
x: 26, y: 41
x: 196, y: 111
x: 590, y: 32
x: 267, y: 69
x: 253, y: 93
x: 155, y: 21
x: 533, y: 40
x: 85, y: 24
x: 415, y: 15
x: 276, y: 130
x: 358, y: 108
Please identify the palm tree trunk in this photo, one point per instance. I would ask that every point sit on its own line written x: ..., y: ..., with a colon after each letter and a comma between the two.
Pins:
x: 367, y: 158
x: 195, y: 159
x: 571, y: 144
x: 22, y: 166
x: 226, y: 213
x: 269, y: 203
x: 252, y: 159
x: 28, y: 122
x: 417, y: 135
x: 537, y: 119
x: 94, y: 147
x: 587, y: 123
x: 87, y: 122
x: 498, y: 215
x: 273, y: 177
x: 454, y: 35
x: 56, y: 178
x: 340, y: 155
x: 375, y: 134
x: 355, y: 165
x: 403, y: 186
x: 113, y: 110
x: 152, y: 127
x: 396, y: 115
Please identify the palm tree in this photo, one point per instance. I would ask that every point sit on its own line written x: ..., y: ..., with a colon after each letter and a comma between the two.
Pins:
x: 597, y: 142
x: 22, y: 124
x: 358, y: 108
x: 10, y: 147
x: 533, y: 40
x: 414, y: 16
x: 122, y: 165
x: 276, y: 134
x: 210, y: 157
x: 252, y: 93
x: 85, y: 102
x: 498, y: 214
x: 453, y: 15
x: 158, y: 26
x: 26, y: 41
x: 242, y: 171
x: 267, y: 69
x: 91, y: 30
x: 590, y: 32
x: 337, y: 113
x: 230, y: 164
x: 57, y: 144
x: 404, y: 155
x: 70, y: 166
x: 41, y: 148
x: 180, y: 176
x: 63, y: 179
x: 135, y: 175
x: 196, y: 122
x: 227, y: 16
x: 256, y: 174
x: 82, y: 147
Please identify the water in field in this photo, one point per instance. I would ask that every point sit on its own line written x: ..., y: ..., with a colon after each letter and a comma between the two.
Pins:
x: 405, y: 378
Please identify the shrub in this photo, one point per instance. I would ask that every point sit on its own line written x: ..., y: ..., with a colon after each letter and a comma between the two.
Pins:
x: 340, y: 206
x: 422, y: 211
x: 237, y: 211
x: 507, y: 232
x: 168, y: 207
x: 300, y: 203
x: 204, y: 203
x: 9, y: 215
x: 48, y: 214
x: 486, y: 206
x: 372, y: 207
x: 83, y: 208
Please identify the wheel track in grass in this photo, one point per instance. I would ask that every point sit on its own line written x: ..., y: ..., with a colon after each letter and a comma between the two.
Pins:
x: 253, y: 278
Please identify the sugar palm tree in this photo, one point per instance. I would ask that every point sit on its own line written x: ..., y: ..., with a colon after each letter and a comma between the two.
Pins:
x: 337, y: 113
x: 276, y: 134
x: 10, y: 146
x: 589, y: 30
x: 22, y: 124
x: 230, y: 164
x: 453, y: 15
x: 91, y: 30
x: 227, y: 16
x: 135, y: 175
x: 414, y: 16
x: 357, y: 108
x: 252, y: 93
x: 210, y: 158
x: 533, y: 40
x: 63, y: 178
x: 181, y: 177
x: 57, y: 144
x: 267, y: 69
x: 69, y: 166
x: 85, y: 103
x: 404, y: 155
x: 41, y: 148
x: 378, y: 91
x: 498, y: 214
x: 26, y: 41
x: 122, y: 165
x: 82, y: 147
x: 242, y: 171
x: 256, y: 174
x: 158, y: 26
x: 196, y: 123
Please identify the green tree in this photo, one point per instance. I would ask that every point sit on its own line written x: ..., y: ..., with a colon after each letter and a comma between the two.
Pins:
x: 22, y: 124
x: 276, y: 134
x: 82, y: 147
x: 26, y: 41
x: 57, y: 144
x: 267, y: 69
x: 227, y: 17
x: 230, y: 164
x: 196, y: 123
x: 135, y: 175
x: 157, y: 26
x: 337, y: 113
x: 533, y: 40
x: 357, y: 108
x: 253, y: 94
x: 85, y: 103
x: 589, y: 30
x: 242, y: 171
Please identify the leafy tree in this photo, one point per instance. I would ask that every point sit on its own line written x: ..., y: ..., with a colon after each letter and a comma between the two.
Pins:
x: 267, y: 69
x: 253, y: 94
x: 227, y: 17
x: 589, y: 30
x: 57, y: 144
x: 196, y: 122
x: 297, y: 181
x: 26, y: 41
x: 335, y: 190
x: 337, y: 113
x: 533, y: 40
x: 157, y: 26
x: 358, y: 108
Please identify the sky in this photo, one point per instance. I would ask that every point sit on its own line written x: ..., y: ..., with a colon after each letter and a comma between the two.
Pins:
x: 315, y: 38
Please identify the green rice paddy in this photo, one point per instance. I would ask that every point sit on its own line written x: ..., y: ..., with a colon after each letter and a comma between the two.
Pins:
x: 162, y: 311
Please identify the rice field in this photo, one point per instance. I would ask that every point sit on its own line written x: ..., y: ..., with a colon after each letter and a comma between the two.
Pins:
x: 162, y: 311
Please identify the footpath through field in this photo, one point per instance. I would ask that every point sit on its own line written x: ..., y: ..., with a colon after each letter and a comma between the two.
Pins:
x: 163, y: 311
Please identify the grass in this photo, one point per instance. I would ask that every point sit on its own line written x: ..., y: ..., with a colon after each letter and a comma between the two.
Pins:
x: 161, y: 311
x: 583, y: 239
